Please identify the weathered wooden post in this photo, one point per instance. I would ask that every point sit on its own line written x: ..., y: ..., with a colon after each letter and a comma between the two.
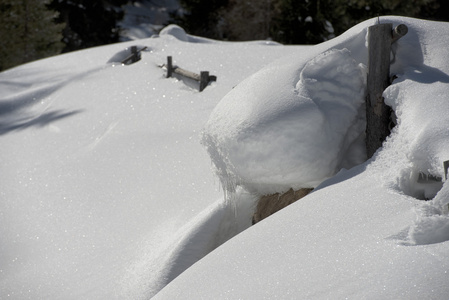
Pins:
x: 169, y: 66
x: 380, y: 38
x: 134, y: 54
x: 204, y: 80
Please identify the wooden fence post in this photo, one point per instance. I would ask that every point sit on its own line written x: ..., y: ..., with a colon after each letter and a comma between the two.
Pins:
x: 169, y: 66
x: 380, y: 38
x: 134, y: 54
x: 204, y: 80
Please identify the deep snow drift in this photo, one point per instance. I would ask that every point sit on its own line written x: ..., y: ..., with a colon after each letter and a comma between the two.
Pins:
x: 106, y: 192
x: 102, y: 168
x: 294, y: 132
x: 362, y: 233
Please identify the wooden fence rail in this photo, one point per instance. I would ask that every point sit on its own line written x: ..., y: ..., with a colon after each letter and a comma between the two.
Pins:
x: 134, y: 56
x: 203, y: 78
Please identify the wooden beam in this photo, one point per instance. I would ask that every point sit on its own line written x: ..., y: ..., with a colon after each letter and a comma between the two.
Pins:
x: 134, y: 56
x: 203, y: 78
x: 398, y: 32
x: 186, y: 73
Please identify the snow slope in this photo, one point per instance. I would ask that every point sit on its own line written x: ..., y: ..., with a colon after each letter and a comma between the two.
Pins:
x: 101, y: 164
x: 362, y: 234
x: 107, y: 193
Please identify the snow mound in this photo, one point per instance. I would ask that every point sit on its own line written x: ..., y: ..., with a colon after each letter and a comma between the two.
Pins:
x: 431, y: 226
x: 97, y: 200
x: 294, y: 132
x: 211, y: 228
x: 432, y: 220
x: 175, y: 31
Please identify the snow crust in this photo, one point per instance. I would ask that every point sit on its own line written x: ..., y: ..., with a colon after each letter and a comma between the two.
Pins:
x: 107, y: 193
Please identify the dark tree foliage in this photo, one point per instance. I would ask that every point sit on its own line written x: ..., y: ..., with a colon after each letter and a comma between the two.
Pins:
x: 200, y: 17
x: 247, y: 20
x: 294, y: 21
x: 306, y: 22
x: 437, y: 10
x: 28, y: 32
x: 360, y: 10
x: 89, y: 23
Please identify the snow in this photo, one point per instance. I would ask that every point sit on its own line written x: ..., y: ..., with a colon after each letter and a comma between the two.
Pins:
x: 102, y: 164
x: 317, y: 111
x: 175, y: 31
x: 108, y: 192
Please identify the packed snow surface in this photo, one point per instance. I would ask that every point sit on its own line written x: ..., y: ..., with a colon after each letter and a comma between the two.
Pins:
x: 107, y: 193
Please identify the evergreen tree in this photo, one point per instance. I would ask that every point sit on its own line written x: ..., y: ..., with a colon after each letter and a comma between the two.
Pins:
x: 435, y: 10
x: 200, y: 17
x: 360, y: 10
x: 28, y: 32
x: 248, y: 20
x: 89, y: 23
x: 294, y: 21
x: 307, y: 22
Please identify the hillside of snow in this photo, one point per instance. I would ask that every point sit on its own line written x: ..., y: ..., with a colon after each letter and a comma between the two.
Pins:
x: 102, y: 165
x: 364, y: 233
x: 119, y: 183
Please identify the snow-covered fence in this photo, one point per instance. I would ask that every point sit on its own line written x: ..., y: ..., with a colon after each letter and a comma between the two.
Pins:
x: 380, y: 39
x: 134, y: 56
x: 203, y: 78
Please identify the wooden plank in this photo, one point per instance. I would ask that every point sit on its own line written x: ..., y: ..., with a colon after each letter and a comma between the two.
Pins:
x: 203, y: 78
x: 186, y: 73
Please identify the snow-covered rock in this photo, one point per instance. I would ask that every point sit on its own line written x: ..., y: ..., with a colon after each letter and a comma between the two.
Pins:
x: 290, y: 125
x: 175, y: 31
